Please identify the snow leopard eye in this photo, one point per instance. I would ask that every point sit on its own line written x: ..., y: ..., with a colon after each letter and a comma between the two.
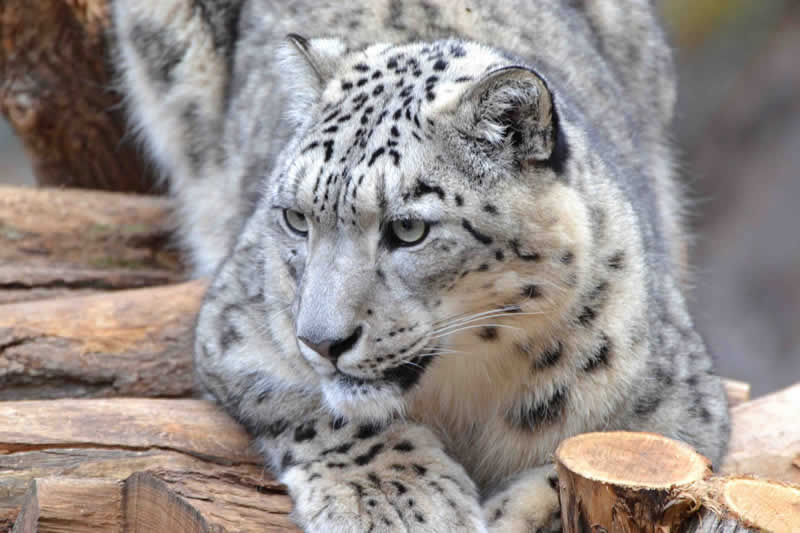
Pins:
x: 296, y: 221
x: 409, y: 232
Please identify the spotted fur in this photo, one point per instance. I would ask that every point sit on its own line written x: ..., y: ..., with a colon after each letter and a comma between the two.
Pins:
x: 424, y: 387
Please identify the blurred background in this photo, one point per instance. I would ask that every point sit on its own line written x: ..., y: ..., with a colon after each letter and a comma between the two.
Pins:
x: 738, y: 131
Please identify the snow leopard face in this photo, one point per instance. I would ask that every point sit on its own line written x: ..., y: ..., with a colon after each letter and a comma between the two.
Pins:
x: 421, y: 198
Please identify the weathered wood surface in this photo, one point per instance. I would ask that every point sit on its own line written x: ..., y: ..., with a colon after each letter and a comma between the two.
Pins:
x: 56, y: 242
x: 160, y: 500
x: 67, y: 505
x: 56, y: 89
x: 765, y: 437
x: 185, y: 443
x: 642, y: 482
x: 197, y: 460
x: 126, y: 343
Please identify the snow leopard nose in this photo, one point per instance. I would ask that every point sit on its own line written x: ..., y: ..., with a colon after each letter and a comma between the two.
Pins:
x: 332, y: 349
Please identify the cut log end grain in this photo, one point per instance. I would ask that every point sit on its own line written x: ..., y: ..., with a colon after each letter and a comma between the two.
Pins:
x: 151, y: 506
x: 633, y: 460
x: 767, y: 505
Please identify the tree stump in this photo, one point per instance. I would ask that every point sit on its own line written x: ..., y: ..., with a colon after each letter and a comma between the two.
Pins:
x: 642, y: 482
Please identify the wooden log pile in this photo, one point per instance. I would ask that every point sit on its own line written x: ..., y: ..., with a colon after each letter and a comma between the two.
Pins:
x: 98, y: 431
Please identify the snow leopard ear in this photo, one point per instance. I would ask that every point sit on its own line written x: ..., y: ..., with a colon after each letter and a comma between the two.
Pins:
x: 511, y: 112
x: 306, y: 66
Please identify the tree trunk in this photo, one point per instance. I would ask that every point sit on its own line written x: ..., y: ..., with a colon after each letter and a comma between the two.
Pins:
x: 56, y: 91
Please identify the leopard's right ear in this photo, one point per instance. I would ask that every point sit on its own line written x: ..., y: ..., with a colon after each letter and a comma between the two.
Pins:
x: 307, y: 65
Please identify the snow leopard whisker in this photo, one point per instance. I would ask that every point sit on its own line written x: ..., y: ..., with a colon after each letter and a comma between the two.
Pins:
x: 479, y: 318
x: 459, y: 330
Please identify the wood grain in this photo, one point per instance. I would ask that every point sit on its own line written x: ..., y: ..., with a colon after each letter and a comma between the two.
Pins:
x: 127, y: 343
x: 54, y: 242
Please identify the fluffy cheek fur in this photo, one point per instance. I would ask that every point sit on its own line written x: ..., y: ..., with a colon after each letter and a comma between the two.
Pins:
x: 537, y: 266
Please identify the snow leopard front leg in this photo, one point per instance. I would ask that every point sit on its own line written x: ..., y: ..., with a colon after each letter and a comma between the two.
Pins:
x: 343, y: 475
x: 526, y: 502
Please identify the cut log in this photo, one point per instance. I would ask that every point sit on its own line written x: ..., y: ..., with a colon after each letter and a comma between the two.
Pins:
x: 195, y: 456
x: 738, y: 505
x: 193, y: 427
x: 69, y: 505
x: 56, y: 91
x: 55, y: 242
x: 765, y: 437
x: 160, y: 500
x: 129, y: 343
x: 189, y: 502
x: 624, y: 481
x: 642, y: 482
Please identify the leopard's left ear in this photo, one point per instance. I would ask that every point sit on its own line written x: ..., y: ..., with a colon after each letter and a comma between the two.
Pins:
x: 511, y: 110
x: 306, y: 67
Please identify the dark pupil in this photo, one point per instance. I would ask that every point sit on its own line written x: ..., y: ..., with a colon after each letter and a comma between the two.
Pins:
x: 407, y: 224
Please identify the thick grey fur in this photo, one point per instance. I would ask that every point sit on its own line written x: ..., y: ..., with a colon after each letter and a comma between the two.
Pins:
x: 532, y: 137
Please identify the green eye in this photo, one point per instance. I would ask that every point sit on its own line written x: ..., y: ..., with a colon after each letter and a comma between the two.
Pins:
x: 409, y: 232
x: 296, y: 221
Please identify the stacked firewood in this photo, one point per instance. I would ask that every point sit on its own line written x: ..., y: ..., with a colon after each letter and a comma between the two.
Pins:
x: 98, y: 428
x: 98, y: 431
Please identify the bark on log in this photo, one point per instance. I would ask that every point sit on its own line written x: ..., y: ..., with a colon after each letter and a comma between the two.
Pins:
x: 628, y: 482
x: 640, y: 482
x: 56, y: 91
x: 57, y: 242
x: 129, y: 343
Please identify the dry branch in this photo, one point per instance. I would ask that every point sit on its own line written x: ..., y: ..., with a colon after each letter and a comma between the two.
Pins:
x: 56, y: 91
x: 642, y: 482
x: 65, y: 242
x: 127, y: 343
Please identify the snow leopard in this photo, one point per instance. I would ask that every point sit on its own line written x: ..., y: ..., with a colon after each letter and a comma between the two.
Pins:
x: 442, y: 237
